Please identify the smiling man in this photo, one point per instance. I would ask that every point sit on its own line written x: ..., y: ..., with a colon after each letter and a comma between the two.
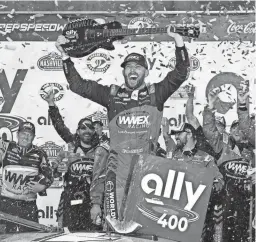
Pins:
x: 83, y: 167
x: 134, y: 112
x: 26, y: 172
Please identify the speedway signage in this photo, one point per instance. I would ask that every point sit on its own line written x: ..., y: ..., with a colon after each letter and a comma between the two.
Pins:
x: 171, y: 198
x: 24, y: 27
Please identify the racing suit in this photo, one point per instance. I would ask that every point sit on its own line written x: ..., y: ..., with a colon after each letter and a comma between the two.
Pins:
x: 232, y: 207
x: 86, y: 170
x: 134, y: 120
x: 20, y: 166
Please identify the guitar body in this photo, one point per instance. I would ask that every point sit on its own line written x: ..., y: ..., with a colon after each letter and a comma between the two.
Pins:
x: 84, y: 39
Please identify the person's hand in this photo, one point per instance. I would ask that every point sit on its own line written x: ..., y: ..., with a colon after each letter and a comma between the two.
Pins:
x: 212, y: 96
x: 243, y: 92
x: 190, y: 89
x: 60, y: 41
x: 177, y: 38
x: 251, y: 174
x: 35, y: 187
x: 95, y: 213
x: 165, y: 125
x: 218, y: 184
x: 50, y: 97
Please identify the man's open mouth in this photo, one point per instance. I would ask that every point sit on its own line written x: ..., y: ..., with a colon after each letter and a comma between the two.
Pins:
x: 133, y: 77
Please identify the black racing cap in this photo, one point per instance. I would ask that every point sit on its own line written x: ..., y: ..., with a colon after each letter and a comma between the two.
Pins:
x: 98, y: 122
x: 27, y: 126
x: 184, y: 128
x: 234, y: 123
x: 135, y: 57
x: 85, y: 122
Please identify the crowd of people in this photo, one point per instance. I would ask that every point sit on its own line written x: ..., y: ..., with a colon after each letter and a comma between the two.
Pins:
x: 93, y: 160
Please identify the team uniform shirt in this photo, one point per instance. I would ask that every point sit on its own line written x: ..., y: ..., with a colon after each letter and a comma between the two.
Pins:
x: 134, y: 118
x: 86, y: 166
x: 20, y: 166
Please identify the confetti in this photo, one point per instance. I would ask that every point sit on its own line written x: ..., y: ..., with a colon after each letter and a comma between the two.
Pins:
x: 212, y: 20
x: 240, y: 7
x: 59, y: 16
x: 215, y: 37
x: 56, y: 2
x: 9, y: 15
x: 38, y: 15
x: 9, y: 39
x: 12, y: 12
x: 70, y: 8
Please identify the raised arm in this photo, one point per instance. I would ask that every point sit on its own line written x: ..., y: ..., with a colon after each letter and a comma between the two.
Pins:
x: 57, y: 119
x: 175, y: 78
x: 3, y: 149
x: 246, y: 123
x: 45, y: 173
x: 83, y: 87
x: 169, y: 142
x: 192, y: 119
x: 209, y: 126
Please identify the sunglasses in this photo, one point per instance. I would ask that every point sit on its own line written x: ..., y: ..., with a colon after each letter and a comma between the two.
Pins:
x: 86, y: 126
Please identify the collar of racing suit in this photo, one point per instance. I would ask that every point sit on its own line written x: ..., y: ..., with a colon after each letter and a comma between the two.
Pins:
x: 23, y: 150
x: 129, y: 89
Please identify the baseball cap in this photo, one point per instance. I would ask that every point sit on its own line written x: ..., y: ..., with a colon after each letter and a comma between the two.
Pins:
x: 183, y: 128
x: 136, y: 57
x: 234, y: 123
x: 85, y: 122
x: 221, y: 120
x: 27, y: 126
x: 98, y: 122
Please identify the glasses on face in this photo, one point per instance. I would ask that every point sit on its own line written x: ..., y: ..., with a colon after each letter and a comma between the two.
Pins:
x: 87, y: 127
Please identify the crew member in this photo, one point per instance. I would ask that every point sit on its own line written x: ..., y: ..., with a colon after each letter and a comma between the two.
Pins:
x: 235, y: 158
x: 134, y: 111
x: 84, y: 166
x: 189, y: 149
x: 98, y: 125
x: 26, y: 173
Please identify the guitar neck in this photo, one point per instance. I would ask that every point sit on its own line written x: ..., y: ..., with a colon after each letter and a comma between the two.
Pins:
x: 138, y: 31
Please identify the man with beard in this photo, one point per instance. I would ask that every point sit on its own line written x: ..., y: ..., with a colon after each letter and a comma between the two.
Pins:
x: 202, y: 142
x: 134, y: 113
x: 232, y: 211
x: 26, y: 173
x: 83, y: 167
x: 190, y: 149
x: 98, y: 125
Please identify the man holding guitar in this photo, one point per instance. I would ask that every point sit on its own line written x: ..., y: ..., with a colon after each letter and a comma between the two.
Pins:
x: 135, y: 113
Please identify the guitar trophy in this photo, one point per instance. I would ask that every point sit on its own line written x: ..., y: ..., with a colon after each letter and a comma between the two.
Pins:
x: 86, y: 35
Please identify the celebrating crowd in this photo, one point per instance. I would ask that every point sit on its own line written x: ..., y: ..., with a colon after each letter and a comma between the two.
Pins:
x: 83, y: 203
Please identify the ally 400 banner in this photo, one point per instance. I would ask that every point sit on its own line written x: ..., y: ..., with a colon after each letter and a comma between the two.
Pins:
x: 171, y: 198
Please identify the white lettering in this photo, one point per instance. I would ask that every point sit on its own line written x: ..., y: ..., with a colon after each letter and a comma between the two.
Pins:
x: 169, y: 183
x: 242, y: 28
x: 178, y: 187
x: 152, y: 177
x: 192, y: 198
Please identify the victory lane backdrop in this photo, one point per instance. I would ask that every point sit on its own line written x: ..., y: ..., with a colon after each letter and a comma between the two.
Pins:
x: 30, y: 69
